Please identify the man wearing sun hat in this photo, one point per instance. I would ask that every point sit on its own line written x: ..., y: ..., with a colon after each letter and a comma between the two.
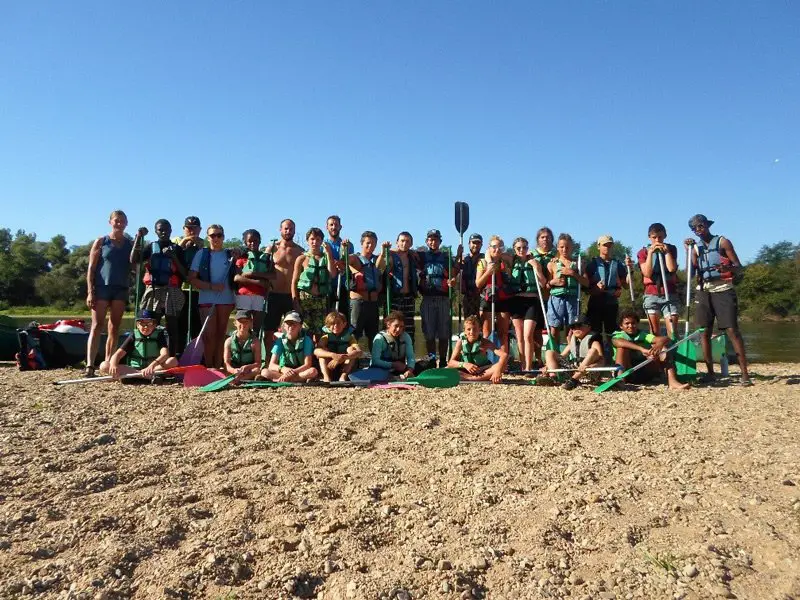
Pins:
x: 715, y: 263
x: 434, y: 288
x: 607, y: 278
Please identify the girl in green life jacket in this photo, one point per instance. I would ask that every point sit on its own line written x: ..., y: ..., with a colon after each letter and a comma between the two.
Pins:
x: 470, y: 355
x: 242, y: 350
x: 145, y: 351
x: 292, y: 353
x: 314, y: 272
x: 337, y: 349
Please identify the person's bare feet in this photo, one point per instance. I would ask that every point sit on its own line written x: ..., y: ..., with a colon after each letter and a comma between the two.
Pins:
x: 677, y: 385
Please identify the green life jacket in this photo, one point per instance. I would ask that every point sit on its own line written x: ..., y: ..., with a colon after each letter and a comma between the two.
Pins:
x: 338, y: 344
x: 642, y: 338
x: 395, y: 349
x: 145, y: 349
x: 242, y: 353
x: 523, y: 276
x: 471, y: 351
x: 571, y: 289
x: 543, y: 258
x: 257, y: 262
x: 315, y: 272
x: 292, y: 355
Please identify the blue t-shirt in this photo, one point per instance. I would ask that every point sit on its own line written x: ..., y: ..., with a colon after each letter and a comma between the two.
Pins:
x: 308, y: 347
x: 219, y: 266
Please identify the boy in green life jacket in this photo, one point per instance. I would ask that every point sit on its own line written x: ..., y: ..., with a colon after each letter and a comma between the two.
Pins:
x: 337, y: 349
x: 632, y: 346
x: 584, y: 350
x: 312, y: 279
x: 242, y: 350
x: 470, y: 355
x: 292, y: 353
x: 565, y: 281
x: 254, y: 271
x: 144, y: 351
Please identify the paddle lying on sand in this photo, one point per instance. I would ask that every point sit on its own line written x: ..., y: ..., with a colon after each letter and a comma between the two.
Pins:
x: 159, y: 373
x: 370, y: 375
x: 612, y: 382
x: 201, y: 376
x: 218, y: 385
x: 436, y: 378
x: 572, y: 370
x: 280, y: 384
x: 193, y: 353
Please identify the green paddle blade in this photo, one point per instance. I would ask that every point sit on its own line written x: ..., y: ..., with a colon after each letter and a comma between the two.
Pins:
x: 686, y: 362
x: 437, y: 378
x: 216, y: 386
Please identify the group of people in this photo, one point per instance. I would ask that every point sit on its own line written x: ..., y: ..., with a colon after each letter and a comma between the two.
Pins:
x: 306, y: 299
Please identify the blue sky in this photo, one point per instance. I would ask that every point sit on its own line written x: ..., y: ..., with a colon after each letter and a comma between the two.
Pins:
x: 588, y: 117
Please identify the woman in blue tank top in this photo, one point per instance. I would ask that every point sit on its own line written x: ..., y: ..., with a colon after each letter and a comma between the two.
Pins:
x: 107, y: 282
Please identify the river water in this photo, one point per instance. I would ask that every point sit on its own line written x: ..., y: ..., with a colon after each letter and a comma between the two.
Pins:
x: 764, y: 341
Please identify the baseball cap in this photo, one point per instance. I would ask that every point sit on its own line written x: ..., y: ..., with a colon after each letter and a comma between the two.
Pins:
x: 434, y: 233
x: 583, y: 321
x: 292, y: 315
x: 243, y: 314
x: 605, y: 239
x: 191, y: 222
x: 147, y: 314
x: 699, y: 219
x: 476, y: 237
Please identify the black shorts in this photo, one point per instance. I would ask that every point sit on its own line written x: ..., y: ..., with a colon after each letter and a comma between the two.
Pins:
x: 499, y: 306
x: 603, y: 312
x: 527, y: 308
x: 277, y: 306
x: 722, y: 306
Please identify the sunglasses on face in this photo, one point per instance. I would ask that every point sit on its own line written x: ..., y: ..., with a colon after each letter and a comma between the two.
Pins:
x: 216, y: 235
x: 520, y: 247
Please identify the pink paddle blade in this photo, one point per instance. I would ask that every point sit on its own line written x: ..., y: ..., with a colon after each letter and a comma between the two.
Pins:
x: 201, y: 377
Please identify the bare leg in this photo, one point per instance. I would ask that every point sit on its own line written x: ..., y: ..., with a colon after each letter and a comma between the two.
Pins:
x: 519, y: 331
x: 503, y: 321
x: 708, y: 358
x: 209, y: 337
x: 114, y: 320
x: 654, y: 321
x: 98, y: 316
x: 220, y: 321
x: 528, y: 331
x: 738, y: 345
x: 323, y: 365
x: 672, y: 326
x: 307, y: 374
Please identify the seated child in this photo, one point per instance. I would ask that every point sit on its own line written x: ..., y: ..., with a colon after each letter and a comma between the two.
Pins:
x: 632, y: 346
x: 337, y: 349
x: 584, y: 350
x: 292, y: 354
x: 470, y: 355
x: 145, y: 350
x: 392, y: 349
x: 242, y: 350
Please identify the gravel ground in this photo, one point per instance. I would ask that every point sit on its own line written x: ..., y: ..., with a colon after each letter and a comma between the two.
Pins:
x: 139, y: 491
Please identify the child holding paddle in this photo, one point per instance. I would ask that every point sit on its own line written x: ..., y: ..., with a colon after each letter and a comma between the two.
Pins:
x: 292, y: 353
x: 632, y: 346
x: 584, y: 350
x: 242, y: 350
x: 337, y: 349
x: 493, y: 276
x: 254, y: 270
x: 365, y: 286
x: 565, y: 284
x: 392, y: 348
x: 471, y: 358
x: 659, y: 264
x: 144, y: 351
x: 403, y: 279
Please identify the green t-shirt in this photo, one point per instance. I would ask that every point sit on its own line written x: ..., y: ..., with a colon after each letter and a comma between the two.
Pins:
x: 641, y: 338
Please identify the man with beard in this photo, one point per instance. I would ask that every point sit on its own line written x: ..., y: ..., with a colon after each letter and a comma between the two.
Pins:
x: 338, y: 299
x: 279, y: 298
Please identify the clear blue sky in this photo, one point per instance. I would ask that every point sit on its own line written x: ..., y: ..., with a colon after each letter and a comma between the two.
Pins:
x: 589, y: 117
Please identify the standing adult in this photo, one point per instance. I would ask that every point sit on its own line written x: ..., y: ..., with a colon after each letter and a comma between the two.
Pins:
x: 339, y: 298
x: 403, y: 279
x: 211, y: 273
x: 716, y: 263
x: 107, y: 283
x: 470, y: 294
x: 434, y: 286
x: 607, y: 277
x: 279, y: 298
x: 524, y: 305
x: 189, y: 320
x: 544, y: 252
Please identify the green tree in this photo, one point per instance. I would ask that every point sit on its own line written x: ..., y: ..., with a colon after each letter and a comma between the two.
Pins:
x: 777, y: 253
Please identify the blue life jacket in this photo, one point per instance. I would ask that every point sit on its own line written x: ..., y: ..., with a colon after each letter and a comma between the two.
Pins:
x: 710, y: 258
x: 434, y: 274
x: 204, y: 270
x: 607, y: 273
x: 367, y: 279
x: 161, y: 267
x: 397, y: 274
x: 395, y: 350
x: 469, y: 272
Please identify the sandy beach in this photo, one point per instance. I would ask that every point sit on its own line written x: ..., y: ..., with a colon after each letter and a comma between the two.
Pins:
x: 143, y: 491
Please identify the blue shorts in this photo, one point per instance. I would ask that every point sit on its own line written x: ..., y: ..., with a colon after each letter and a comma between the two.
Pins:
x: 562, y: 310
x: 654, y: 305
x: 110, y: 293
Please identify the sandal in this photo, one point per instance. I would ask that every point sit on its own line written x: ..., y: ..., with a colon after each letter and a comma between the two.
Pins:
x: 89, y: 372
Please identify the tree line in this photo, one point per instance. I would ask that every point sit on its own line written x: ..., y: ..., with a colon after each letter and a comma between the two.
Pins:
x: 52, y: 274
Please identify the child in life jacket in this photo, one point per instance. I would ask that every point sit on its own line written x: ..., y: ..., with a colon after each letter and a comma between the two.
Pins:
x: 565, y: 287
x: 313, y: 275
x: 254, y: 270
x: 632, y: 346
x: 292, y: 353
x: 470, y: 355
x: 392, y: 348
x: 242, y: 350
x: 144, y: 351
x: 584, y: 350
x: 660, y: 289
x: 337, y: 349
x: 366, y: 283
x: 164, y: 270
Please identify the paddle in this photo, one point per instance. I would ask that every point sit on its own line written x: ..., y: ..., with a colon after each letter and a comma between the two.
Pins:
x: 370, y: 375
x: 201, y: 376
x: 450, y: 303
x: 159, y: 373
x: 436, y: 378
x: 663, y: 276
x: 551, y: 345
x: 216, y: 386
x: 579, y: 283
x: 612, y: 382
x: 193, y: 353
x: 686, y: 354
x: 388, y: 280
x: 630, y: 282
x: 493, y: 336
x: 572, y: 370
x: 462, y: 224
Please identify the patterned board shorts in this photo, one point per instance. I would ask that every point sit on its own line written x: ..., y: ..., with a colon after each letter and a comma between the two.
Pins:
x: 167, y: 301
x: 406, y: 305
x: 314, y: 309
